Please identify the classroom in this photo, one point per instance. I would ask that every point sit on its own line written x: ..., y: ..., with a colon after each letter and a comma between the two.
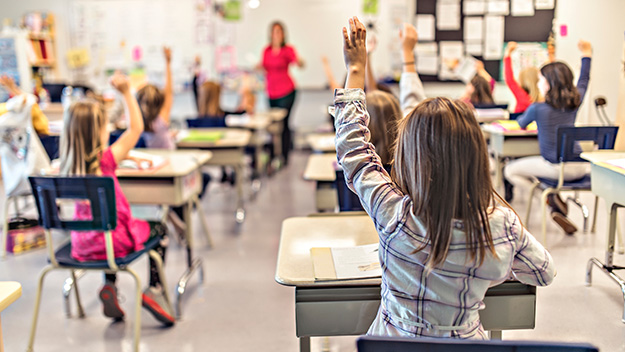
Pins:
x: 312, y: 175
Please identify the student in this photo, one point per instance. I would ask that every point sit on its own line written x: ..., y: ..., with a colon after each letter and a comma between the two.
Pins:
x: 479, y: 91
x: 40, y: 121
x: 562, y: 99
x: 156, y: 109
x: 445, y: 236
x: 527, y: 91
x: 84, y: 151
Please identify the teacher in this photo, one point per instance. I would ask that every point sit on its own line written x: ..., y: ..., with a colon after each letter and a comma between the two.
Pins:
x: 277, y: 57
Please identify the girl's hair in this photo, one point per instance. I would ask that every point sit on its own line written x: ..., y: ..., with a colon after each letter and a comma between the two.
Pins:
x: 481, y: 91
x: 81, y: 144
x: 441, y: 163
x: 281, y: 25
x: 384, y: 111
x: 562, y: 93
x: 150, y: 100
x: 210, y: 93
x: 528, y: 79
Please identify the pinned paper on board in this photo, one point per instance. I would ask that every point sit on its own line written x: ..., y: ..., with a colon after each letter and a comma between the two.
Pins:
x: 493, y: 38
x: 427, y: 58
x: 545, y: 4
x: 473, y: 7
x: 137, y: 53
x: 448, y: 16
x: 475, y: 49
x: 451, y: 53
x: 522, y: 7
x: 232, y: 10
x: 77, y: 58
x: 498, y: 7
x: 473, y: 29
x: 425, y: 27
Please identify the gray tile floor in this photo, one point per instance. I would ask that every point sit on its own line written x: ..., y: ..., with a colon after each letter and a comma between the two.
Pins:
x: 241, y: 308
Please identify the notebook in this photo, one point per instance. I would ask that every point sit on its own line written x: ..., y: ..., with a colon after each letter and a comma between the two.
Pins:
x: 346, y: 263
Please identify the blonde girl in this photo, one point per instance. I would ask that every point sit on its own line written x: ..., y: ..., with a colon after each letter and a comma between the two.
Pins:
x: 444, y: 236
x: 526, y: 90
x: 84, y: 151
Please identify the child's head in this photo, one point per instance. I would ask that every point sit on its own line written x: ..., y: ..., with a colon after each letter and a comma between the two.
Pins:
x: 210, y: 94
x: 151, y: 100
x: 83, y: 139
x: 441, y: 163
x: 384, y: 111
x: 248, y: 100
x: 480, y: 91
x: 528, y: 79
x: 556, y: 84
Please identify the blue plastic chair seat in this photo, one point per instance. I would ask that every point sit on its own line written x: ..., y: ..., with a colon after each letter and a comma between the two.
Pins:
x: 64, y: 257
x: 207, y: 122
x: 580, y: 184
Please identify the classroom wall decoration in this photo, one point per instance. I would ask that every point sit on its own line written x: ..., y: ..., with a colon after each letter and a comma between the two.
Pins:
x: 452, y: 30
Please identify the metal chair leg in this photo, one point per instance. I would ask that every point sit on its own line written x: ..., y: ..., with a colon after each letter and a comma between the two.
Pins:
x: 529, y: 204
x: 583, y: 208
x: 543, y: 207
x: 68, y: 286
x: 196, y: 264
x: 33, y: 327
x: 81, y: 311
x: 161, y: 274
x: 137, y: 327
x: 200, y: 211
x: 593, y: 228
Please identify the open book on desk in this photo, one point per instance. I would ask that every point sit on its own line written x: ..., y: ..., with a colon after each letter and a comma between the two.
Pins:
x: 346, y: 263
x: 142, y: 161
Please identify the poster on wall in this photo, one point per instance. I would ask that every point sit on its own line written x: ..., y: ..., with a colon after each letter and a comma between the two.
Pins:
x: 448, y: 15
x: 493, y: 38
x: 370, y: 7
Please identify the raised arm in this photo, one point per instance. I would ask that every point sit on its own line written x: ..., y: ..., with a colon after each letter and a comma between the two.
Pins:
x: 479, y: 67
x: 364, y: 173
x: 584, y: 75
x: 130, y: 137
x: 168, y: 90
x: 329, y: 74
x: 518, y: 92
x: 411, y: 91
x: 370, y: 82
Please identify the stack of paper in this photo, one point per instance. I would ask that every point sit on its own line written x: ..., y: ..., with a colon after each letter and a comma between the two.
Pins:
x: 512, y: 125
x: 345, y: 263
x: 200, y: 136
x: 620, y: 163
x: 142, y: 161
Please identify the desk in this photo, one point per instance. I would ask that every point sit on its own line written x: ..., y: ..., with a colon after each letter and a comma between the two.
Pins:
x: 227, y: 151
x: 10, y: 291
x: 607, y: 182
x: 321, y: 142
x: 320, y: 168
x: 510, y: 144
x: 335, y: 308
x: 178, y: 183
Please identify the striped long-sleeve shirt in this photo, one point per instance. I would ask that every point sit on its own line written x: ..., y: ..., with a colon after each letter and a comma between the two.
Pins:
x: 446, y: 302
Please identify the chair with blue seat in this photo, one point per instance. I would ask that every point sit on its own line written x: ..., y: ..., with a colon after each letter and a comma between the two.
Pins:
x: 114, y: 135
x: 348, y: 200
x: 207, y: 122
x: 399, y: 344
x: 51, y: 193
x: 603, y: 137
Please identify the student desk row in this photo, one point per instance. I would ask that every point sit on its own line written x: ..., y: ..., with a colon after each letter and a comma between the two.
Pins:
x: 608, y: 182
x: 320, y: 168
x: 333, y: 308
x: 177, y: 183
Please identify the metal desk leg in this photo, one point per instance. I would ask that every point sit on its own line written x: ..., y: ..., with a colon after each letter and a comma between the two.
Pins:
x: 304, y: 344
x: 240, y: 212
x: 193, y: 263
x: 200, y: 211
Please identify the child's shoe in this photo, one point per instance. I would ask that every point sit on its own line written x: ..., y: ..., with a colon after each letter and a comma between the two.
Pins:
x: 154, y: 301
x: 110, y: 304
x: 564, y: 222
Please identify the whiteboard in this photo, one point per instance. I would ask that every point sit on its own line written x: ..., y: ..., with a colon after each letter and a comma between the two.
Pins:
x: 111, y: 29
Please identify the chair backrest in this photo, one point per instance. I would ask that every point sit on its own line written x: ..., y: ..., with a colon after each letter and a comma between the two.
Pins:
x: 207, y: 122
x: 348, y: 200
x: 51, y: 145
x: 515, y: 115
x: 491, y: 106
x: 385, y: 344
x: 602, y: 136
x: 99, y: 191
x: 113, y: 136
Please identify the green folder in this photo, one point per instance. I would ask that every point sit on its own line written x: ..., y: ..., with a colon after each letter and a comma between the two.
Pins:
x: 203, y: 136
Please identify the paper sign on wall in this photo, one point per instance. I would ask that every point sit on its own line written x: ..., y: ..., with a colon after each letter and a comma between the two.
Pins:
x: 448, y: 16
x: 474, y: 7
x: 425, y: 27
x: 493, y: 39
x: 545, y: 4
x: 450, y: 55
x: 498, y: 7
x: 522, y: 7
x: 427, y: 58
x: 473, y: 28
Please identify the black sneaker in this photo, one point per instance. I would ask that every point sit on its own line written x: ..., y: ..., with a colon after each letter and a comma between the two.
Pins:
x: 509, y: 190
x: 110, y: 304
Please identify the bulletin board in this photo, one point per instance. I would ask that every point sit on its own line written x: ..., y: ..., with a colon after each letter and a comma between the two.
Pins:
x: 14, y: 63
x: 535, y: 28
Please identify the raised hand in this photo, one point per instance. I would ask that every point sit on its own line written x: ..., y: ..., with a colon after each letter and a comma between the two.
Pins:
x: 510, y: 48
x: 119, y: 81
x: 408, y: 37
x: 585, y: 47
x: 355, y: 53
x: 167, y: 54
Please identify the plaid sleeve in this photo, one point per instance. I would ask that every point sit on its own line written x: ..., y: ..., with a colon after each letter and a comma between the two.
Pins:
x: 532, y: 263
x: 364, y: 173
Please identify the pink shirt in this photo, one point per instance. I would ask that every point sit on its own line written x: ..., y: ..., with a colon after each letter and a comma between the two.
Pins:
x: 128, y: 236
x: 279, y: 82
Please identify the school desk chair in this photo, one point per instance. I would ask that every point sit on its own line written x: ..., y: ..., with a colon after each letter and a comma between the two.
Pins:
x: 603, y: 137
x: 113, y: 136
x: 423, y: 344
x: 348, y: 200
x: 50, y: 144
x: 207, y: 122
x: 53, y: 195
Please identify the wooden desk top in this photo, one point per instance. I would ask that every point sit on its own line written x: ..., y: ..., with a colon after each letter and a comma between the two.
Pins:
x: 300, y: 234
x: 496, y: 131
x: 320, y: 167
x: 10, y: 291
x: 180, y: 163
x: 600, y: 157
x: 233, y: 138
x: 321, y: 142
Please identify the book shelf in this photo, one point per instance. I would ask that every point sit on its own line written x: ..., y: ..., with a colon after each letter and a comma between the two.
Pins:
x: 41, y: 45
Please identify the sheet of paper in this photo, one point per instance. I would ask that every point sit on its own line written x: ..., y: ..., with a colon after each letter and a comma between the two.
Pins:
x: 498, y: 7
x: 474, y: 7
x: 427, y: 58
x: 357, y: 262
x: 466, y: 69
x: 493, y: 38
x: 450, y: 55
x: 473, y: 28
x: 545, y: 4
x: 448, y: 16
x: 425, y: 27
x: 522, y: 7
x: 475, y: 49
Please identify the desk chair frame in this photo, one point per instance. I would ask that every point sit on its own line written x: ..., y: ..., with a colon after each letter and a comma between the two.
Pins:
x: 101, y: 193
x: 604, y: 138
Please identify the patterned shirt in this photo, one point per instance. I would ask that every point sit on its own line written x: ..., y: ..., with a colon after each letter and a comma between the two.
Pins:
x: 446, y: 302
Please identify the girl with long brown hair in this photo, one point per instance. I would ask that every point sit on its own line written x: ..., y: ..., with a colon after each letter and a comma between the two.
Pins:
x: 445, y: 235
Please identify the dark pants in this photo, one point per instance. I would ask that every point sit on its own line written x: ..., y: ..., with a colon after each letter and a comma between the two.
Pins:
x: 285, y: 102
x: 157, y: 229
